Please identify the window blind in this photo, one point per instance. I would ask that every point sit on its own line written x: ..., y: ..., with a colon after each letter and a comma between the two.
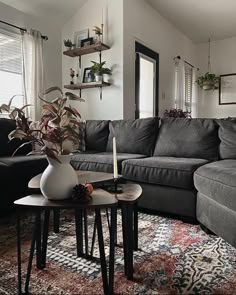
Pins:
x: 10, y: 67
x: 188, y: 77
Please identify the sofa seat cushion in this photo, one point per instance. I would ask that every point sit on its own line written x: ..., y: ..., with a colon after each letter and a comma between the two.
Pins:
x: 101, y: 162
x: 188, y: 138
x: 176, y: 172
x: 217, y: 181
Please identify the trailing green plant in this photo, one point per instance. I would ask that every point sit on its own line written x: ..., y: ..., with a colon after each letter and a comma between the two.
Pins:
x: 68, y: 43
x: 208, y: 81
x: 58, y: 126
x: 99, y: 69
x: 176, y: 113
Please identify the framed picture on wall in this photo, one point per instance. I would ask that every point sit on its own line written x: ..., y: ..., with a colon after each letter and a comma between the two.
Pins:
x: 227, y: 89
x: 87, y: 77
x: 87, y: 42
x: 79, y: 36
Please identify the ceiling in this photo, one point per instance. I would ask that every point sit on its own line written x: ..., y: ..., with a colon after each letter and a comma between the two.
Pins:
x: 200, y: 19
x: 197, y: 19
x: 55, y: 9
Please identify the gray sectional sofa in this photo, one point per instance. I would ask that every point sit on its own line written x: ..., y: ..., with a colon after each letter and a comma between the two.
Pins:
x: 186, y: 167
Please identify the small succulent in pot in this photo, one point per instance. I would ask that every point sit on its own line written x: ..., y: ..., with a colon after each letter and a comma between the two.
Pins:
x: 56, y: 132
x: 176, y: 113
x: 208, y: 81
x: 68, y: 43
x: 98, y: 70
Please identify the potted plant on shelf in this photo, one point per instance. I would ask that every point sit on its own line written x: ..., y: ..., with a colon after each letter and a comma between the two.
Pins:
x: 68, y: 44
x: 98, y: 70
x: 208, y: 81
x: 54, y: 135
x: 177, y: 113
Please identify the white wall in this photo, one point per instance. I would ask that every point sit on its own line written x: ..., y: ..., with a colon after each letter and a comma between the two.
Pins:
x: 111, y: 105
x: 144, y: 24
x: 223, y: 61
x: 52, y: 47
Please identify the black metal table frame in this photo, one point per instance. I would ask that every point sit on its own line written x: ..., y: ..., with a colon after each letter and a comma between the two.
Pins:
x: 40, y: 238
x: 129, y: 213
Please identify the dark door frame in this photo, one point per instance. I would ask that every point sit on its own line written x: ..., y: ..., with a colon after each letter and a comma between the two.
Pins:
x: 140, y: 48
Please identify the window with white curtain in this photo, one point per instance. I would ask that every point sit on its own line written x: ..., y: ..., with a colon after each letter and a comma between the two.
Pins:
x: 188, y: 85
x: 11, y: 68
x: 183, y: 85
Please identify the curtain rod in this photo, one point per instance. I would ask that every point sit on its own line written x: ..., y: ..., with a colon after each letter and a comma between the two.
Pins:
x: 179, y: 57
x: 19, y: 28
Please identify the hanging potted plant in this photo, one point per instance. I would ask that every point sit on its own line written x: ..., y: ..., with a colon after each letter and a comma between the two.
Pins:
x: 208, y: 81
x: 98, y: 70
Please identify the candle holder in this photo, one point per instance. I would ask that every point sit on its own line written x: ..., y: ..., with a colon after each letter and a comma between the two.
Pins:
x: 115, y: 188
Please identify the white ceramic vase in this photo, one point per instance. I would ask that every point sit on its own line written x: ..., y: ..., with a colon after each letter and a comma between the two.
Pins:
x: 98, y: 78
x: 58, y: 179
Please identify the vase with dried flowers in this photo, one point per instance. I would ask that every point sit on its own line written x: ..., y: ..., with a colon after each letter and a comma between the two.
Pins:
x: 55, y: 134
x: 98, y: 33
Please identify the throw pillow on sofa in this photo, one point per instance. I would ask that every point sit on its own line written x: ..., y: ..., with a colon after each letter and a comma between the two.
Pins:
x: 227, y: 134
x: 189, y: 138
x: 96, y: 135
x: 133, y: 136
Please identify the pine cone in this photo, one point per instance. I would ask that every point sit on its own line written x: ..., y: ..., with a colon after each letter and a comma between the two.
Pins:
x: 80, y: 194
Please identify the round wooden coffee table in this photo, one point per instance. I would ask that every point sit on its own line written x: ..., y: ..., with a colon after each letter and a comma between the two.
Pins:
x: 83, y: 177
x: 38, y: 204
x: 127, y: 201
x: 93, y: 177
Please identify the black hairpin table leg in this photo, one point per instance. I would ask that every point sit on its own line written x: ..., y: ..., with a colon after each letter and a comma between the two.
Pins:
x: 125, y: 234
x: 18, y: 231
x: 135, y: 213
x: 79, y: 231
x: 98, y: 222
x: 38, y: 240
x: 113, y: 231
x: 32, y: 247
x: 56, y: 220
x: 45, y: 236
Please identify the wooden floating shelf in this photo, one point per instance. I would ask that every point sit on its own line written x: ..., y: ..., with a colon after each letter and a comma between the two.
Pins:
x: 86, y: 49
x: 87, y: 85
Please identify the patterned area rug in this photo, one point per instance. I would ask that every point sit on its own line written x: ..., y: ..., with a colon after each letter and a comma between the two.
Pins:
x: 174, y: 258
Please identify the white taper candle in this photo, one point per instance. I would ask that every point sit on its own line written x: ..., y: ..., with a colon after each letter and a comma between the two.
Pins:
x: 115, y: 159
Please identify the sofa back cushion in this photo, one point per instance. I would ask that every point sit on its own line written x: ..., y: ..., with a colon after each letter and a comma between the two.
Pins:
x: 189, y: 138
x: 96, y: 135
x: 227, y: 134
x: 8, y: 148
x: 133, y: 136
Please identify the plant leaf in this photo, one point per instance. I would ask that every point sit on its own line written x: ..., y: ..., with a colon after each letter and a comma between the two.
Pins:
x: 51, y: 153
x: 51, y: 89
x: 72, y: 96
x: 17, y: 133
x: 21, y: 146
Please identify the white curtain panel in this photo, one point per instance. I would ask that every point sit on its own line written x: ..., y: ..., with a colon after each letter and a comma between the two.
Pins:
x: 33, y: 72
x: 194, y: 94
x: 179, y: 84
